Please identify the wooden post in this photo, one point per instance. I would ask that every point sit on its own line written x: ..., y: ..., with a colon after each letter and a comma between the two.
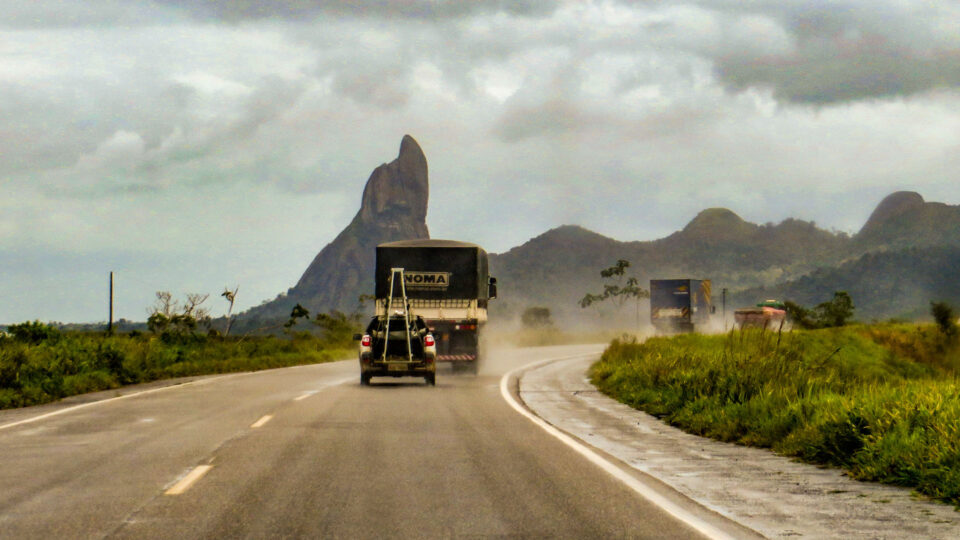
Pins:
x: 110, y: 318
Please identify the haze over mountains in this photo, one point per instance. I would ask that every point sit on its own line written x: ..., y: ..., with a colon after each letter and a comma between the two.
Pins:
x: 905, y: 255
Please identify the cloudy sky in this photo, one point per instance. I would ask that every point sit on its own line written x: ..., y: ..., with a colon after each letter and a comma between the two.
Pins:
x: 190, y: 145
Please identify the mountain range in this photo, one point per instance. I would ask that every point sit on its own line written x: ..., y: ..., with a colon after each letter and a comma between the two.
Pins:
x: 905, y: 255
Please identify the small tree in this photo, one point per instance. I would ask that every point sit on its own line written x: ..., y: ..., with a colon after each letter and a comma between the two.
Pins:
x: 620, y: 291
x: 945, y: 319
x: 836, y: 312
x: 167, y: 316
x: 298, y: 312
x: 231, y: 296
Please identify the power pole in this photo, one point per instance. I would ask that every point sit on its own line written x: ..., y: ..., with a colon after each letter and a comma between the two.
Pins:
x: 724, y: 309
x: 110, y: 319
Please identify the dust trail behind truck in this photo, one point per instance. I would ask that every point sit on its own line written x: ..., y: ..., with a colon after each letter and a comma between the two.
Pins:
x: 448, y: 284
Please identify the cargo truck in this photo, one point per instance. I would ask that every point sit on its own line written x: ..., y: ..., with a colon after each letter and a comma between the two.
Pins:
x: 448, y: 284
x: 680, y: 305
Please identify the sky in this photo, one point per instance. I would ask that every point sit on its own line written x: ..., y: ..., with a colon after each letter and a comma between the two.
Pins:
x: 193, y: 145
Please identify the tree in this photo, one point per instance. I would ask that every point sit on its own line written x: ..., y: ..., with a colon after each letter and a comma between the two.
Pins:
x: 620, y: 291
x: 167, y: 316
x: 298, y: 312
x: 836, y: 312
x: 536, y: 317
x: 231, y: 296
x: 945, y: 319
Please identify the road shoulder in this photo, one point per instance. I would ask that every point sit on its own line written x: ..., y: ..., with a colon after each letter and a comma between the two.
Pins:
x: 768, y: 493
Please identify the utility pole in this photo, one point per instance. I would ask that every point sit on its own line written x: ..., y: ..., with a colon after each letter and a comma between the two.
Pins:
x: 724, y: 309
x: 110, y: 318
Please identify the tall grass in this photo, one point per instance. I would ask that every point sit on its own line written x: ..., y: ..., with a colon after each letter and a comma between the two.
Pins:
x: 882, y: 402
x: 60, y: 365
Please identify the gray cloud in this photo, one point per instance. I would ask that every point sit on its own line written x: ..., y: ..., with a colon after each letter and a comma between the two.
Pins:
x: 842, y: 51
x: 217, y: 133
x: 237, y: 10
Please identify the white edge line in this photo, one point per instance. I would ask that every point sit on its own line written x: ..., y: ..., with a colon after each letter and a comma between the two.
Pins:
x: 639, y: 487
x: 263, y: 420
x: 187, y: 481
x: 125, y: 396
x: 305, y: 395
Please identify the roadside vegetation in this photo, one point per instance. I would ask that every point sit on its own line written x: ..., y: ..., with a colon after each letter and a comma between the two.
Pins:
x: 40, y: 364
x: 881, y: 401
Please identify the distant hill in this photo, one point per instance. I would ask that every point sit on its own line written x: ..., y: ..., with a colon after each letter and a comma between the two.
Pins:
x: 905, y: 220
x: 558, y: 267
x: 882, y: 284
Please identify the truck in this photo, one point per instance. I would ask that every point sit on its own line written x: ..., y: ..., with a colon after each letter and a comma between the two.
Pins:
x: 680, y: 305
x: 448, y: 284
x: 769, y: 313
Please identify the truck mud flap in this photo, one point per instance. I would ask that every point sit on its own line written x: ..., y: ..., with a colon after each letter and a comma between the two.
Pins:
x: 457, y: 358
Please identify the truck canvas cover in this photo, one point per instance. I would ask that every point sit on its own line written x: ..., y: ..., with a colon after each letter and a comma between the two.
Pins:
x: 434, y: 269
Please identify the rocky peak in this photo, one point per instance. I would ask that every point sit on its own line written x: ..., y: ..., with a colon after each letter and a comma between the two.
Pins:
x: 397, y: 192
x: 394, y: 207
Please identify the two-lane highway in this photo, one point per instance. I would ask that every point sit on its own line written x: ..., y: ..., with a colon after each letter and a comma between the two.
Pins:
x: 308, y: 452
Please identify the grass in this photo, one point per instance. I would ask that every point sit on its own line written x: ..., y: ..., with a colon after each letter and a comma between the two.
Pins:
x: 880, y: 401
x: 65, y: 364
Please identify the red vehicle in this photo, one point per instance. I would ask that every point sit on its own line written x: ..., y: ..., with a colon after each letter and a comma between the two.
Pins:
x: 769, y: 313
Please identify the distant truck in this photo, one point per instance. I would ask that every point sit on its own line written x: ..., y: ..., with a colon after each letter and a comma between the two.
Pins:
x: 448, y: 284
x: 680, y: 305
x: 769, y: 313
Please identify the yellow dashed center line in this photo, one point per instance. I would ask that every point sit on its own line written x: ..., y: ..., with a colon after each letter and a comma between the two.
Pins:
x: 262, y: 421
x: 188, y: 480
x: 304, y: 395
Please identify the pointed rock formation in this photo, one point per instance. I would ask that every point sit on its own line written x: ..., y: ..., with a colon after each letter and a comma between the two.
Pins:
x: 394, y: 207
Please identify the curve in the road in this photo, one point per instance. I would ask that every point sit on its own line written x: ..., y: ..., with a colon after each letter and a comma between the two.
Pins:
x: 633, y: 483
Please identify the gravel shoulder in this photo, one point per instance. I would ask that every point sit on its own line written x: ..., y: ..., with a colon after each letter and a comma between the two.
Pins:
x: 771, y: 494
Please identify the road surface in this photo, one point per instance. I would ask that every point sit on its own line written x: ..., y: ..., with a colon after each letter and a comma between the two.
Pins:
x: 308, y: 452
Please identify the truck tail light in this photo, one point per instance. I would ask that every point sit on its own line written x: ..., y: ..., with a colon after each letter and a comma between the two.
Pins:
x: 365, y: 341
x: 429, y: 341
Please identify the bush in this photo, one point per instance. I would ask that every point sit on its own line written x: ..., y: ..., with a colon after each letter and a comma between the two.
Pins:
x: 945, y: 319
x: 45, y: 366
x: 33, y: 332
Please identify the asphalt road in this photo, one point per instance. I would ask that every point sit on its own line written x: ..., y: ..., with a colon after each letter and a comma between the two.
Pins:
x: 307, y: 452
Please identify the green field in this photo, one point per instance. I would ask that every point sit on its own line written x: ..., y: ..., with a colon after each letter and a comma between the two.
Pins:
x: 880, y: 401
x: 48, y: 365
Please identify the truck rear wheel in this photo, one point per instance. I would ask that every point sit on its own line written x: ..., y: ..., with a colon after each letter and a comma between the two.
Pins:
x: 431, y: 379
x: 365, y: 379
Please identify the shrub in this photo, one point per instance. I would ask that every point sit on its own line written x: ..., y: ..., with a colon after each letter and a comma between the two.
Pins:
x: 33, y: 332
